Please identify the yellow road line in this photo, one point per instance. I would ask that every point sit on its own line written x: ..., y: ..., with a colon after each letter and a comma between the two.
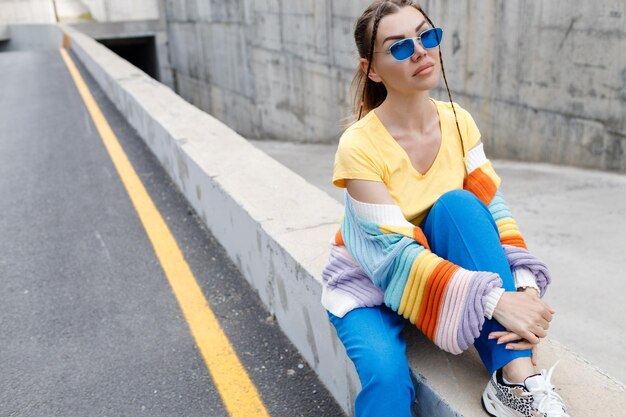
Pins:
x: 238, y: 393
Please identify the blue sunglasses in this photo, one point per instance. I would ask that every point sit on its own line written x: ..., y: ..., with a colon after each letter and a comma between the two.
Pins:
x: 405, y: 48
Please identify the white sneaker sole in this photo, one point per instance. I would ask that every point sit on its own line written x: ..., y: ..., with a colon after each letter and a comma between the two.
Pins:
x: 492, y: 405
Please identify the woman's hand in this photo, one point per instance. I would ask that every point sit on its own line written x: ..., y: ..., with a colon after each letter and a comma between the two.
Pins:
x: 524, y: 314
x: 509, y: 337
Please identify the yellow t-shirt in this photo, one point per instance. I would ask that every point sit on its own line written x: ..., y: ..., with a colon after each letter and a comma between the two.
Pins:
x: 367, y: 151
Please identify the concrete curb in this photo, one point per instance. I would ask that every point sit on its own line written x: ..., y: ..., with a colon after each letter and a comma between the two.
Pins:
x: 277, y: 227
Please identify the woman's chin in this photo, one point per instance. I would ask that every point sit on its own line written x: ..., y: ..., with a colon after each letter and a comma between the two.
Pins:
x: 427, y: 83
x: 423, y: 85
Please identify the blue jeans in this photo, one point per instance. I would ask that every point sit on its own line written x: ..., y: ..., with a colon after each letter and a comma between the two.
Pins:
x: 459, y: 228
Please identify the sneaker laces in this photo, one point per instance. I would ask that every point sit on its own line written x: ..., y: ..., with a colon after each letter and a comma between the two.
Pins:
x: 545, y: 397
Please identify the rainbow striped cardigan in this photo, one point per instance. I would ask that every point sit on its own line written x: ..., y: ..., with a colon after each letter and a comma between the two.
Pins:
x: 389, y: 261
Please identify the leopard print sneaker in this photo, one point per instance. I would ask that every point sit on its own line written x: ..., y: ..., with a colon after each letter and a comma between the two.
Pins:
x: 508, y: 400
x: 537, y: 397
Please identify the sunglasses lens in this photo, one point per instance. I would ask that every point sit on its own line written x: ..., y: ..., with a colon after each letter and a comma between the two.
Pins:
x: 403, y: 49
x: 431, y: 38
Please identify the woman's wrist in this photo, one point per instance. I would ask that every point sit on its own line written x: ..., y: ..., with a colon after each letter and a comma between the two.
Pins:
x: 533, y: 290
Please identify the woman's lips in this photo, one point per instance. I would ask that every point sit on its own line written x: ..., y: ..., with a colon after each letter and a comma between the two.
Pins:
x: 424, y: 70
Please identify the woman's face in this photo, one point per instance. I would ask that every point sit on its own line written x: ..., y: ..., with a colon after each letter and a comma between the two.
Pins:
x: 420, y: 72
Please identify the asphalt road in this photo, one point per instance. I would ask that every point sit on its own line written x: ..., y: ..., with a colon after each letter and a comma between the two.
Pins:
x: 88, y: 323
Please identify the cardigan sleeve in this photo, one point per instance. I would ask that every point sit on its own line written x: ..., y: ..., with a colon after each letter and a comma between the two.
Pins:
x: 446, y: 302
x: 483, y: 181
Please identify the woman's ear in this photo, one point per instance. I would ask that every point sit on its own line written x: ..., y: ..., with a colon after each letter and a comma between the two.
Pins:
x: 373, y: 74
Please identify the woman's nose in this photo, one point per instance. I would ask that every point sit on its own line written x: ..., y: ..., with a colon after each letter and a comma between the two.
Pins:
x: 418, y: 48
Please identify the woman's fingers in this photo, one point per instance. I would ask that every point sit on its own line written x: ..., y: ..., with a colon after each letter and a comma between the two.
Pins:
x: 510, y: 337
x: 546, y: 313
x: 533, y: 357
x: 496, y: 335
x: 505, y: 336
x: 539, y: 331
x: 524, y: 345
x: 544, y: 324
x: 530, y: 337
x: 548, y: 309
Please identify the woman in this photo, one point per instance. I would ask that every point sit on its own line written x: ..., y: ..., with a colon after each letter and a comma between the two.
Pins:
x: 426, y: 234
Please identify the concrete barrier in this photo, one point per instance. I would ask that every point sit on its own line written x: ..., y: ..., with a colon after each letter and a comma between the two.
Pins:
x: 277, y: 227
x: 35, y: 36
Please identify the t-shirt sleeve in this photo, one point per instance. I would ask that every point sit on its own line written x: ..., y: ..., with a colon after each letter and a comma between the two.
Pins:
x: 356, y: 158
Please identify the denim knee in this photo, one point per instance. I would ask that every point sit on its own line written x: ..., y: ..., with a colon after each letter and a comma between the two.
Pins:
x: 460, y: 205
x: 457, y: 199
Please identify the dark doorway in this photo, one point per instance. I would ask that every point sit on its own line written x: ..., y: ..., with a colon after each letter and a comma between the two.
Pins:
x: 139, y: 51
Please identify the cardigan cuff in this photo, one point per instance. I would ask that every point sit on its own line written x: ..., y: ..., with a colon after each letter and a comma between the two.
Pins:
x: 491, y: 300
x: 524, y: 278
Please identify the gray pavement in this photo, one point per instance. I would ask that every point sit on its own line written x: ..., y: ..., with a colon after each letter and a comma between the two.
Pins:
x: 88, y: 323
x: 574, y: 219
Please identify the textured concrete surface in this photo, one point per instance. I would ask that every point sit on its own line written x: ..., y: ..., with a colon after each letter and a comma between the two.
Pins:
x: 122, y: 10
x: 26, y: 11
x: 541, y: 88
x: 569, y: 218
x: 70, y: 10
x: 276, y: 227
x: 42, y: 11
x: 133, y: 29
x: 546, y: 80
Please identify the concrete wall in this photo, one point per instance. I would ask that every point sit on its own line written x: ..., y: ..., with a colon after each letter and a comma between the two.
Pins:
x: 136, y: 28
x: 42, y: 11
x: 121, y: 10
x: 546, y: 81
x: 269, y: 69
x: 26, y: 11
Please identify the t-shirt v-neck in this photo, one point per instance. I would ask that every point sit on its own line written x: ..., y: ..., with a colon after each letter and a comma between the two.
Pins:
x: 386, y: 135
x: 367, y: 151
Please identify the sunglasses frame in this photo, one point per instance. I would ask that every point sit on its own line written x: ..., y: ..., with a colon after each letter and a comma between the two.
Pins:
x: 413, y: 38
